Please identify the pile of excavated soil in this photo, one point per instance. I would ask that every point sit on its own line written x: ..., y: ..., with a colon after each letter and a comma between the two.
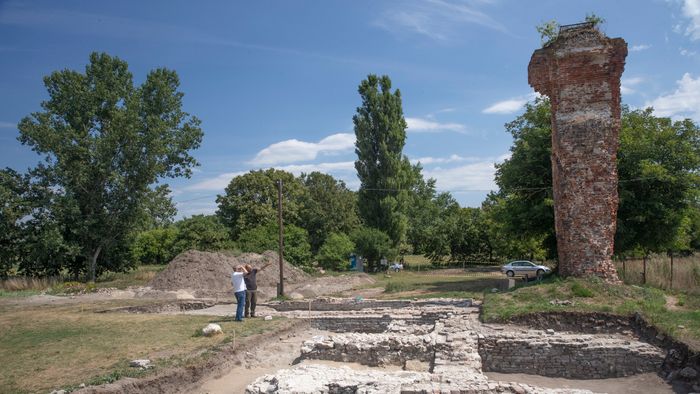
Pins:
x: 209, y: 274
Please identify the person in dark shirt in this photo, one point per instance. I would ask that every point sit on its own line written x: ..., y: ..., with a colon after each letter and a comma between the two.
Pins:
x: 251, y: 285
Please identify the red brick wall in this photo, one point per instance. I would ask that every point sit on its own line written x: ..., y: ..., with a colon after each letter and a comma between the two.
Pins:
x: 580, y: 73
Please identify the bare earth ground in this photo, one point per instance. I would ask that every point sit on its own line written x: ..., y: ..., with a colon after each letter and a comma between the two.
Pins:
x: 639, y: 384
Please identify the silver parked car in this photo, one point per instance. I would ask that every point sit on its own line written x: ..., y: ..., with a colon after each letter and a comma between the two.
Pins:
x: 525, y: 268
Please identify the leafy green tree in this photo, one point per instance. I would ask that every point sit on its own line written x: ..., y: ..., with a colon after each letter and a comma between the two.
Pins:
x: 156, y: 246
x: 105, y: 142
x: 421, y: 212
x: 505, y: 245
x: 335, y: 252
x: 14, y: 189
x: 158, y: 208
x: 250, y: 200
x: 525, y: 180
x: 385, y: 173
x: 658, y: 189
x: 262, y: 238
x: 202, y: 232
x: 658, y: 163
x: 373, y: 244
x: 328, y: 207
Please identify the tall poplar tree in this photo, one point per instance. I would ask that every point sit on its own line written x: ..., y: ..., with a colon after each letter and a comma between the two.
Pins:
x: 385, y: 173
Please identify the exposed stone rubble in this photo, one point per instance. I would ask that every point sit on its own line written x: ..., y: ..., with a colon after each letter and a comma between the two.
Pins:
x: 457, y: 348
x: 580, y: 73
x: 340, y: 380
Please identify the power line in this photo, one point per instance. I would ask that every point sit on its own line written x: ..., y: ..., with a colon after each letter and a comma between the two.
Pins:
x: 524, y: 189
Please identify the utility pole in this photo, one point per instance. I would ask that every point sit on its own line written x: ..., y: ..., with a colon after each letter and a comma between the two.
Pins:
x: 280, y: 287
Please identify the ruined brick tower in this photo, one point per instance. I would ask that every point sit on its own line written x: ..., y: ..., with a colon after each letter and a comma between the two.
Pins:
x: 580, y: 72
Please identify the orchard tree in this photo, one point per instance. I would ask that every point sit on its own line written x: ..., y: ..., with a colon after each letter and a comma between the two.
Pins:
x: 105, y: 142
x: 250, y: 200
x: 385, y: 173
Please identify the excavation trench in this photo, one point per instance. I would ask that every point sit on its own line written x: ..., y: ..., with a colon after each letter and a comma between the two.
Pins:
x: 366, y: 346
x: 440, y: 346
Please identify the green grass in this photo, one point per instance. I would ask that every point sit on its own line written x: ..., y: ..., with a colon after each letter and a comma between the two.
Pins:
x: 18, y: 293
x: 430, y: 284
x: 592, y: 295
x: 44, y: 347
x: 580, y: 290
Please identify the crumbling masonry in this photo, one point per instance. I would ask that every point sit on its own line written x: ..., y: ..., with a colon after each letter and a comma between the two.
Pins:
x: 580, y: 73
x: 442, y: 348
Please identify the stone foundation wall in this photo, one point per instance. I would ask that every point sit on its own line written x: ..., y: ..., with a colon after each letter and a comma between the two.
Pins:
x: 339, y: 305
x: 568, y: 356
x: 370, y: 349
x: 373, y: 324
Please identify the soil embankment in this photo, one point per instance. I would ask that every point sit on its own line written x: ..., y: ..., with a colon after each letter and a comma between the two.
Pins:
x: 208, y: 274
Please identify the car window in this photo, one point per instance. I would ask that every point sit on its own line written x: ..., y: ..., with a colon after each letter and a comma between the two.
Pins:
x: 528, y: 264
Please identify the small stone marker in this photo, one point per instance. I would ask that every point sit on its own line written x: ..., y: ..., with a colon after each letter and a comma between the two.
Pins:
x: 296, y: 296
x: 268, y: 317
x: 211, y: 329
x: 141, y: 363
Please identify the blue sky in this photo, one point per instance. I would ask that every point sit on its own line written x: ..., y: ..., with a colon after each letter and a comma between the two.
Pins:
x: 275, y: 82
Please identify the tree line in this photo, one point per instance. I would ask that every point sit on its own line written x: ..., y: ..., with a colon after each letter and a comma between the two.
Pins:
x: 98, y: 201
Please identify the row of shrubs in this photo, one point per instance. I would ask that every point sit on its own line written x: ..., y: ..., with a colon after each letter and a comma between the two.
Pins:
x: 206, y: 233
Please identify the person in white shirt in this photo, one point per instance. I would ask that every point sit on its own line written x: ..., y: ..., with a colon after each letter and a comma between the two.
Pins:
x: 239, y: 289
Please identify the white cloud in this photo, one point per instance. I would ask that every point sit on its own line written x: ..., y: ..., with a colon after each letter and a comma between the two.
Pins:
x: 473, y: 177
x: 219, y: 182
x: 297, y: 169
x: 440, y: 160
x: 627, y: 84
x: 293, y: 150
x: 439, y: 20
x: 470, y: 177
x: 691, y: 10
x: 189, y: 208
x: 687, y: 52
x: 509, y: 106
x: 684, y: 102
x: 214, y: 184
x: 639, y: 48
x: 418, y: 125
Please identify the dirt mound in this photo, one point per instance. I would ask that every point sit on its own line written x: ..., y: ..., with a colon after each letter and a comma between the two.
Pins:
x: 209, y: 274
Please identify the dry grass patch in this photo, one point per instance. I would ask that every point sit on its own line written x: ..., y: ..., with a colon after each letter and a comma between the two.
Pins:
x: 686, y: 272
x: 47, y: 347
